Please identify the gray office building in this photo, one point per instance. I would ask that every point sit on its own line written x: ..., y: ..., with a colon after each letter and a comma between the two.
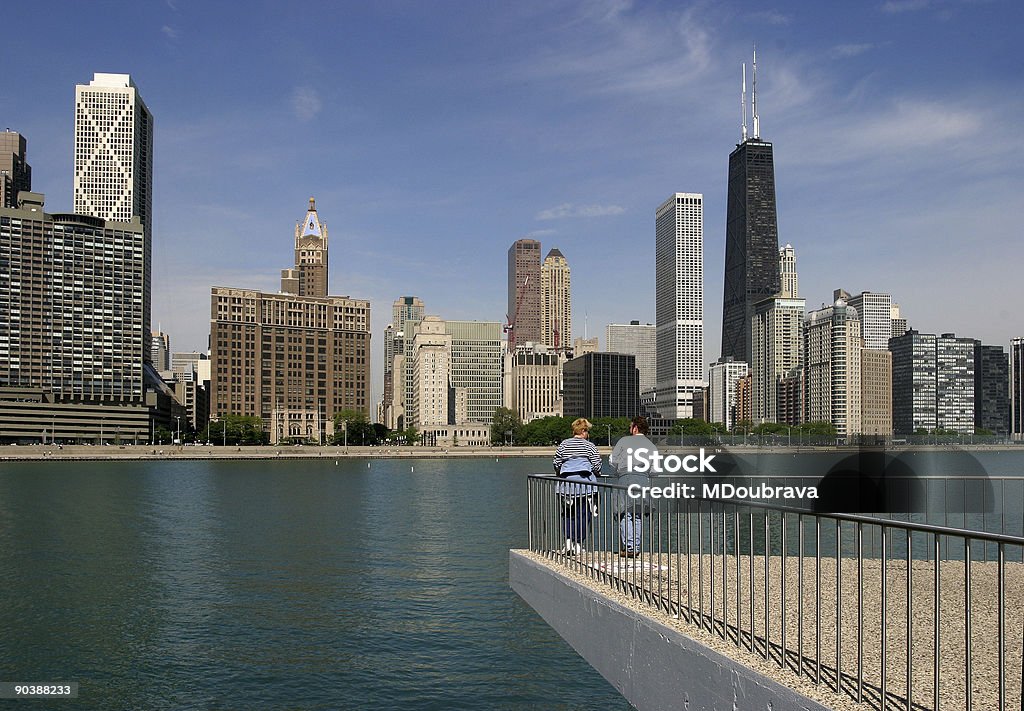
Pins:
x: 991, y: 391
x: 15, y: 172
x: 933, y: 380
x: 1017, y: 388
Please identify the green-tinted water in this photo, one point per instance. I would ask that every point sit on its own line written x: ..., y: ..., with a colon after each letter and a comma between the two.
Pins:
x: 271, y: 584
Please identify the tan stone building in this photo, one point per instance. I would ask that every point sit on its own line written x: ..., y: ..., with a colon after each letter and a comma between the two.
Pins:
x: 832, y: 377
x: 431, y: 364
x: 293, y: 359
x: 533, y: 382
x: 876, y: 393
x: 555, y: 301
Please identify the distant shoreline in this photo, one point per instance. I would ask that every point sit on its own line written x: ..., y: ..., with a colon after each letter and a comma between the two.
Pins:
x: 177, y: 452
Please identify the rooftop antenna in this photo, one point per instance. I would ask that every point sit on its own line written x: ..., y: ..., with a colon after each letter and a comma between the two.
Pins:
x: 753, y: 97
x: 743, y: 102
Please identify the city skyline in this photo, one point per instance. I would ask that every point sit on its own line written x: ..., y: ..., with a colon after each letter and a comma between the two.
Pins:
x: 890, y: 172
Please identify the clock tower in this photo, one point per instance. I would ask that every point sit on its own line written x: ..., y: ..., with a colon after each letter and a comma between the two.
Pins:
x: 311, y: 254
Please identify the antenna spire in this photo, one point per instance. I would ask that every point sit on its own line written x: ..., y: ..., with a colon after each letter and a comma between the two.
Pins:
x: 753, y: 97
x: 743, y: 102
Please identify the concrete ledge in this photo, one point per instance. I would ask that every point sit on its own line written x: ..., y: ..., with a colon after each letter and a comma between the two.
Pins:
x: 652, y: 665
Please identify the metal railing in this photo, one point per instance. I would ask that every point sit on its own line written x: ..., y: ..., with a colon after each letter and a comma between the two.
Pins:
x: 875, y: 609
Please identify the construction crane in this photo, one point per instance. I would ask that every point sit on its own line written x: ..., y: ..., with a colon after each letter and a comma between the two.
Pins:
x: 510, y: 323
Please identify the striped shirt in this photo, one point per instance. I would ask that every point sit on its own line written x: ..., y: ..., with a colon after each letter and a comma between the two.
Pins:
x: 576, y: 454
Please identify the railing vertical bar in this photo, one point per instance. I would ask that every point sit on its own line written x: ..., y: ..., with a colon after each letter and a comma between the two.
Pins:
x: 739, y: 580
x: 689, y: 576
x: 910, y: 620
x: 667, y: 578
x: 678, y: 557
x: 750, y: 577
x: 885, y: 610
x: 817, y: 600
x: 725, y: 575
x: 860, y: 612
x: 767, y: 586
x: 1001, y: 606
x: 529, y: 509
x: 711, y: 560
x: 782, y: 606
x: 968, y: 645
x: 700, y: 563
x: 937, y: 656
x: 800, y: 597
x: 839, y: 606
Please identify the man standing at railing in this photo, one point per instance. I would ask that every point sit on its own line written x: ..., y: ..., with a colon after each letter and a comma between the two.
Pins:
x: 631, y: 511
x: 577, y: 462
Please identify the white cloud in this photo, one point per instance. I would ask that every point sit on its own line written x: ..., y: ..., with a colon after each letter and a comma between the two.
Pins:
x: 619, y: 48
x: 170, y: 32
x: 896, y: 6
x: 844, y: 51
x: 306, y: 103
x: 567, y: 209
x: 771, y: 17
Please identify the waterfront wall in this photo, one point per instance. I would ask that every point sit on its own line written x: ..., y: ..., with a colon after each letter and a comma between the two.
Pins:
x: 652, y: 665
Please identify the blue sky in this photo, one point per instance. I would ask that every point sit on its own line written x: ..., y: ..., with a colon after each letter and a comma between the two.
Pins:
x: 434, y: 134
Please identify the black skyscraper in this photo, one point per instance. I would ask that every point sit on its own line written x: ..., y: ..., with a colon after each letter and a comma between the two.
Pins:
x: 751, y: 243
x: 751, y: 235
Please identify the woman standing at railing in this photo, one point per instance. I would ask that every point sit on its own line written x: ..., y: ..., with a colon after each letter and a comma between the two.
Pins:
x: 578, y: 463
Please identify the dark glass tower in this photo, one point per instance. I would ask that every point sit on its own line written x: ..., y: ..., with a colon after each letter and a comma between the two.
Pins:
x: 751, y: 243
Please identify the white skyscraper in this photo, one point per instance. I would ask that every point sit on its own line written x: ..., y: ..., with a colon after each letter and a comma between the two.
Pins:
x: 787, y: 273
x: 113, y: 151
x: 679, y: 303
x: 875, y: 312
x: 640, y: 340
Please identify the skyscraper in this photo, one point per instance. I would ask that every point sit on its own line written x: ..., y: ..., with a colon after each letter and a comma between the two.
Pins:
x: 15, y: 172
x: 991, y: 394
x: 74, y: 324
x: 723, y: 377
x: 524, y: 312
x: 160, y: 350
x: 555, y: 301
x: 113, y: 151
x: 397, y: 377
x: 777, y: 348
x: 601, y: 385
x: 832, y: 364
x: 789, y: 285
x: 293, y: 360
x: 640, y: 340
x: 875, y: 317
x: 932, y: 383
x: 679, y: 303
x: 1017, y: 388
x: 751, y: 235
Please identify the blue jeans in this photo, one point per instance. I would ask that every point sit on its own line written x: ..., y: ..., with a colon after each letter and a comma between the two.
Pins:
x: 576, y: 515
x: 631, y: 529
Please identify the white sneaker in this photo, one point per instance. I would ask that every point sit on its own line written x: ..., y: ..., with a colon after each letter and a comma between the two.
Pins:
x: 570, y: 548
x: 577, y: 548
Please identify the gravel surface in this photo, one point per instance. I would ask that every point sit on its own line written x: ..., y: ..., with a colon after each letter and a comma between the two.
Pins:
x: 663, y: 582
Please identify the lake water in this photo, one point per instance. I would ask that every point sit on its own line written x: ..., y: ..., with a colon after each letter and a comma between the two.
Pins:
x: 270, y: 584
